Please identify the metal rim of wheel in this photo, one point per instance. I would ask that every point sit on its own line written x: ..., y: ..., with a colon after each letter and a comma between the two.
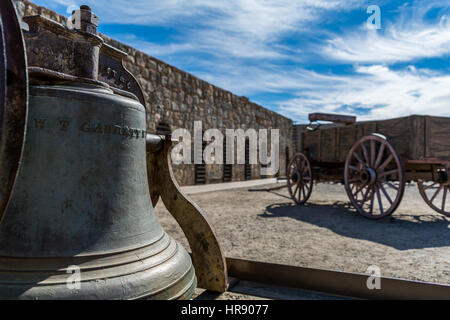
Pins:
x: 437, y: 193
x: 374, y: 177
x: 299, y: 178
x: 14, y: 100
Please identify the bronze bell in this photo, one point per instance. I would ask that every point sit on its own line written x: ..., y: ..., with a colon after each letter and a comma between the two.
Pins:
x: 80, y: 203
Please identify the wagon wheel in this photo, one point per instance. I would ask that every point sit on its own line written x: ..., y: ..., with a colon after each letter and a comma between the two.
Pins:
x: 437, y: 193
x: 374, y: 177
x: 299, y: 178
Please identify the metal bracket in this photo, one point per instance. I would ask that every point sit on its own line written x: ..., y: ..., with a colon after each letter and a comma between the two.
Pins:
x: 339, y: 283
x: 207, y: 254
x: 113, y: 72
x: 313, y: 126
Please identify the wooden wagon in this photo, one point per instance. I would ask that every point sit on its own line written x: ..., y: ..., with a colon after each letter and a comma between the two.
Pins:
x: 374, y: 160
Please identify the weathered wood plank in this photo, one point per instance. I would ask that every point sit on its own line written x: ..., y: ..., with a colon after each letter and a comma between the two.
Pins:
x: 398, y: 133
x: 347, y: 137
x: 311, y: 144
x: 337, y: 118
x: 417, y: 139
x: 438, y: 137
x: 328, y: 145
x: 368, y: 127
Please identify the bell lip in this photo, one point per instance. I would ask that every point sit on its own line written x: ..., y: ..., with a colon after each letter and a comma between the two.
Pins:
x: 145, y: 278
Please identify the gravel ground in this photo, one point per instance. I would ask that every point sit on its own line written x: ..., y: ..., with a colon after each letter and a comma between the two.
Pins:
x: 414, y: 243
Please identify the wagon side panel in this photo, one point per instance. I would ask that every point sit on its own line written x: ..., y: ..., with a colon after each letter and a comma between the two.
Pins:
x: 367, y: 128
x: 399, y: 132
x: 311, y: 144
x: 346, y: 138
x: 328, y: 145
x: 417, y: 138
x: 437, y: 136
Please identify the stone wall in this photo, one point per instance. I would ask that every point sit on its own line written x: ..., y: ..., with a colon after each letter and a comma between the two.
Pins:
x: 178, y: 98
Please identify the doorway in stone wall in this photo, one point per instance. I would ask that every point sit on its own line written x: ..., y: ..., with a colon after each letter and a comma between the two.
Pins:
x: 247, y: 166
x: 227, y: 168
x: 287, y: 159
x: 200, y: 169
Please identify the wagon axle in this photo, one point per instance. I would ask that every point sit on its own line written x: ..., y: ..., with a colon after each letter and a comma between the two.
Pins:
x: 368, y: 176
x: 443, y: 177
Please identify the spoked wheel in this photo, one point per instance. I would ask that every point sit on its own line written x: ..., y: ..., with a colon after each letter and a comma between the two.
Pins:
x: 374, y: 177
x: 299, y: 178
x: 437, y: 193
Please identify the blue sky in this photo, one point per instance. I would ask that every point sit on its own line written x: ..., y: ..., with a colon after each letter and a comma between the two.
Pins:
x: 296, y: 57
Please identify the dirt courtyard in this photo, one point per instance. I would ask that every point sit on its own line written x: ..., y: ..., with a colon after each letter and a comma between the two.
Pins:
x: 414, y: 243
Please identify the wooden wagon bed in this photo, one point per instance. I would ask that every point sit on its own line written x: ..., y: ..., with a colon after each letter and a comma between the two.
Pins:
x: 423, y: 139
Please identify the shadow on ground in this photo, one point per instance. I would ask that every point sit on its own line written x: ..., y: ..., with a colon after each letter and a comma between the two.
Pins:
x: 399, y: 231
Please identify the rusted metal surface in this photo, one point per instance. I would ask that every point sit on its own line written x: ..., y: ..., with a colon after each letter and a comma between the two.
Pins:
x: 207, y: 254
x: 339, y: 283
x: 14, y: 100
x: 337, y: 118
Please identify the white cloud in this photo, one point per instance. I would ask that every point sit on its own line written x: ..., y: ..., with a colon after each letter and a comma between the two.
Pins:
x: 380, y: 91
x: 210, y: 42
x: 237, y: 28
x: 408, y: 38
x: 248, y: 80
